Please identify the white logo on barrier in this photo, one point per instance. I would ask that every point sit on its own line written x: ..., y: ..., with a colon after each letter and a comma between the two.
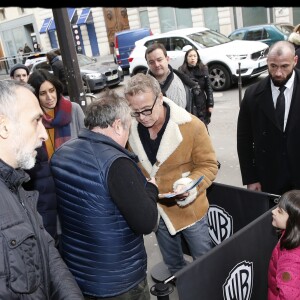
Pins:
x: 220, y: 224
x: 239, y: 283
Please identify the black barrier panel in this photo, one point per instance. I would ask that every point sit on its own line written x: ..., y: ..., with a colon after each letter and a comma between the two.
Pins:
x: 235, y: 269
x: 241, y: 205
x: 232, y: 208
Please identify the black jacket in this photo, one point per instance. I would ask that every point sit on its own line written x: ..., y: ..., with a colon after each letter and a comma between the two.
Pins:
x: 203, y: 95
x: 260, y: 140
x: 31, y: 267
x: 297, y: 52
x: 59, y: 71
x: 41, y: 180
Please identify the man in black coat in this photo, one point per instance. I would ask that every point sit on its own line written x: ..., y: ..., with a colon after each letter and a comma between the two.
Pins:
x: 58, y: 69
x: 31, y: 267
x: 269, y: 153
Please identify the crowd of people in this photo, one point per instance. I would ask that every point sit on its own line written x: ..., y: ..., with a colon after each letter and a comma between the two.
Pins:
x: 79, y: 190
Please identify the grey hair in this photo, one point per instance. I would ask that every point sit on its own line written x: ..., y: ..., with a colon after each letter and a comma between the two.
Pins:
x: 8, y: 97
x: 142, y: 83
x: 103, y: 112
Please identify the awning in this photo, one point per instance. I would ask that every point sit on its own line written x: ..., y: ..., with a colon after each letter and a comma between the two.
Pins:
x: 45, y: 25
x: 71, y: 13
x: 85, y: 17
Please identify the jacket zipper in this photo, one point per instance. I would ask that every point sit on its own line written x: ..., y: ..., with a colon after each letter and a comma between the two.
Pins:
x: 43, y: 258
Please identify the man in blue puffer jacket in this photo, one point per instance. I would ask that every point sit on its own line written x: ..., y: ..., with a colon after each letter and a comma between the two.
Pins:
x: 105, y: 205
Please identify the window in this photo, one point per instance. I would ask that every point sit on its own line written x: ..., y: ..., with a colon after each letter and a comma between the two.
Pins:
x: 144, y: 18
x: 211, y: 18
x: 21, y: 10
x: 238, y: 36
x: 183, y: 18
x: 163, y: 41
x: 265, y: 34
x: 254, y: 35
x: 174, y: 18
x: 2, y: 14
x: 177, y: 43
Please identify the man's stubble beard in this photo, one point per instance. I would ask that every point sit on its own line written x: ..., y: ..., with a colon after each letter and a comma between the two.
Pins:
x: 281, y: 83
x: 25, y: 159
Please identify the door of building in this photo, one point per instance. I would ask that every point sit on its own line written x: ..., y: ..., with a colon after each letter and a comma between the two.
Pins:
x: 116, y: 19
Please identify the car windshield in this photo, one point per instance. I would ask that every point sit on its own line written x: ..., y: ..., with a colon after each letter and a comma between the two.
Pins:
x: 287, y: 29
x: 209, y: 38
x: 84, y: 60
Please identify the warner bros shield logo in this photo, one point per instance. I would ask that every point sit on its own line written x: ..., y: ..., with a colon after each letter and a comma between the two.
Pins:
x: 239, y: 283
x: 220, y: 224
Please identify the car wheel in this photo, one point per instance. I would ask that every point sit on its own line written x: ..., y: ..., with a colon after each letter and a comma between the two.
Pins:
x: 219, y: 77
x: 140, y: 70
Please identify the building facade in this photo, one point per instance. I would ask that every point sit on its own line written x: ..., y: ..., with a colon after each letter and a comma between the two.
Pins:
x: 94, y: 28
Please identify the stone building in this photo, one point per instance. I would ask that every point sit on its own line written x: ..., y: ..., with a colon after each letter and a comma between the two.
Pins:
x: 94, y: 27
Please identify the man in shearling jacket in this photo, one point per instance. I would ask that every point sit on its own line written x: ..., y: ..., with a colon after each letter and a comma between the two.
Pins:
x: 30, y: 265
x: 174, y: 147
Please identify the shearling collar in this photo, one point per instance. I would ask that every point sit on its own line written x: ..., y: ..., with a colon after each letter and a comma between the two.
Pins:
x: 171, y: 138
x: 294, y: 38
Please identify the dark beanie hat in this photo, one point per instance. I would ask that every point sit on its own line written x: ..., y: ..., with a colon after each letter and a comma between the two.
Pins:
x: 16, y: 67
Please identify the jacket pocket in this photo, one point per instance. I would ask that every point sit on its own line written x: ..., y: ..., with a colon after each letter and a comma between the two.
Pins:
x: 23, y: 261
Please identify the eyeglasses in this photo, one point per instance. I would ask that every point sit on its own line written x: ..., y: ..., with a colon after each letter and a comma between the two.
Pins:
x: 146, y: 112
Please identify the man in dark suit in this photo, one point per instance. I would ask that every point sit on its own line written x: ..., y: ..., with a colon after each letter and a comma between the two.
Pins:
x: 268, y: 149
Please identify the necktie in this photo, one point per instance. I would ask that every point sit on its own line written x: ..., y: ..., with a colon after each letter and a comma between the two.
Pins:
x: 280, y: 107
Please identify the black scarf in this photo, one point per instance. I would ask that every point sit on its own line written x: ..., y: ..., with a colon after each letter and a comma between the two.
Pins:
x: 151, y: 146
x: 164, y: 86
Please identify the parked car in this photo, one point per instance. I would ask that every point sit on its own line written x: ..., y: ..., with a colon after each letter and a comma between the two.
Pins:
x: 266, y: 33
x: 221, y: 54
x: 95, y: 75
x: 33, y: 58
x: 124, y: 44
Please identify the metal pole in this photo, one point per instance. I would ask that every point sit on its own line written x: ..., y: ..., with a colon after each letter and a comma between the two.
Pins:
x: 240, y: 85
x: 69, y: 56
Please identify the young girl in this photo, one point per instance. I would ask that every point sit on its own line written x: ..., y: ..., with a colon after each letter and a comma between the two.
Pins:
x: 284, y: 267
x: 198, y: 72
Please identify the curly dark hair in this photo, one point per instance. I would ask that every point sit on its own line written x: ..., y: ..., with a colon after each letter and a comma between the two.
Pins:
x: 38, y: 77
